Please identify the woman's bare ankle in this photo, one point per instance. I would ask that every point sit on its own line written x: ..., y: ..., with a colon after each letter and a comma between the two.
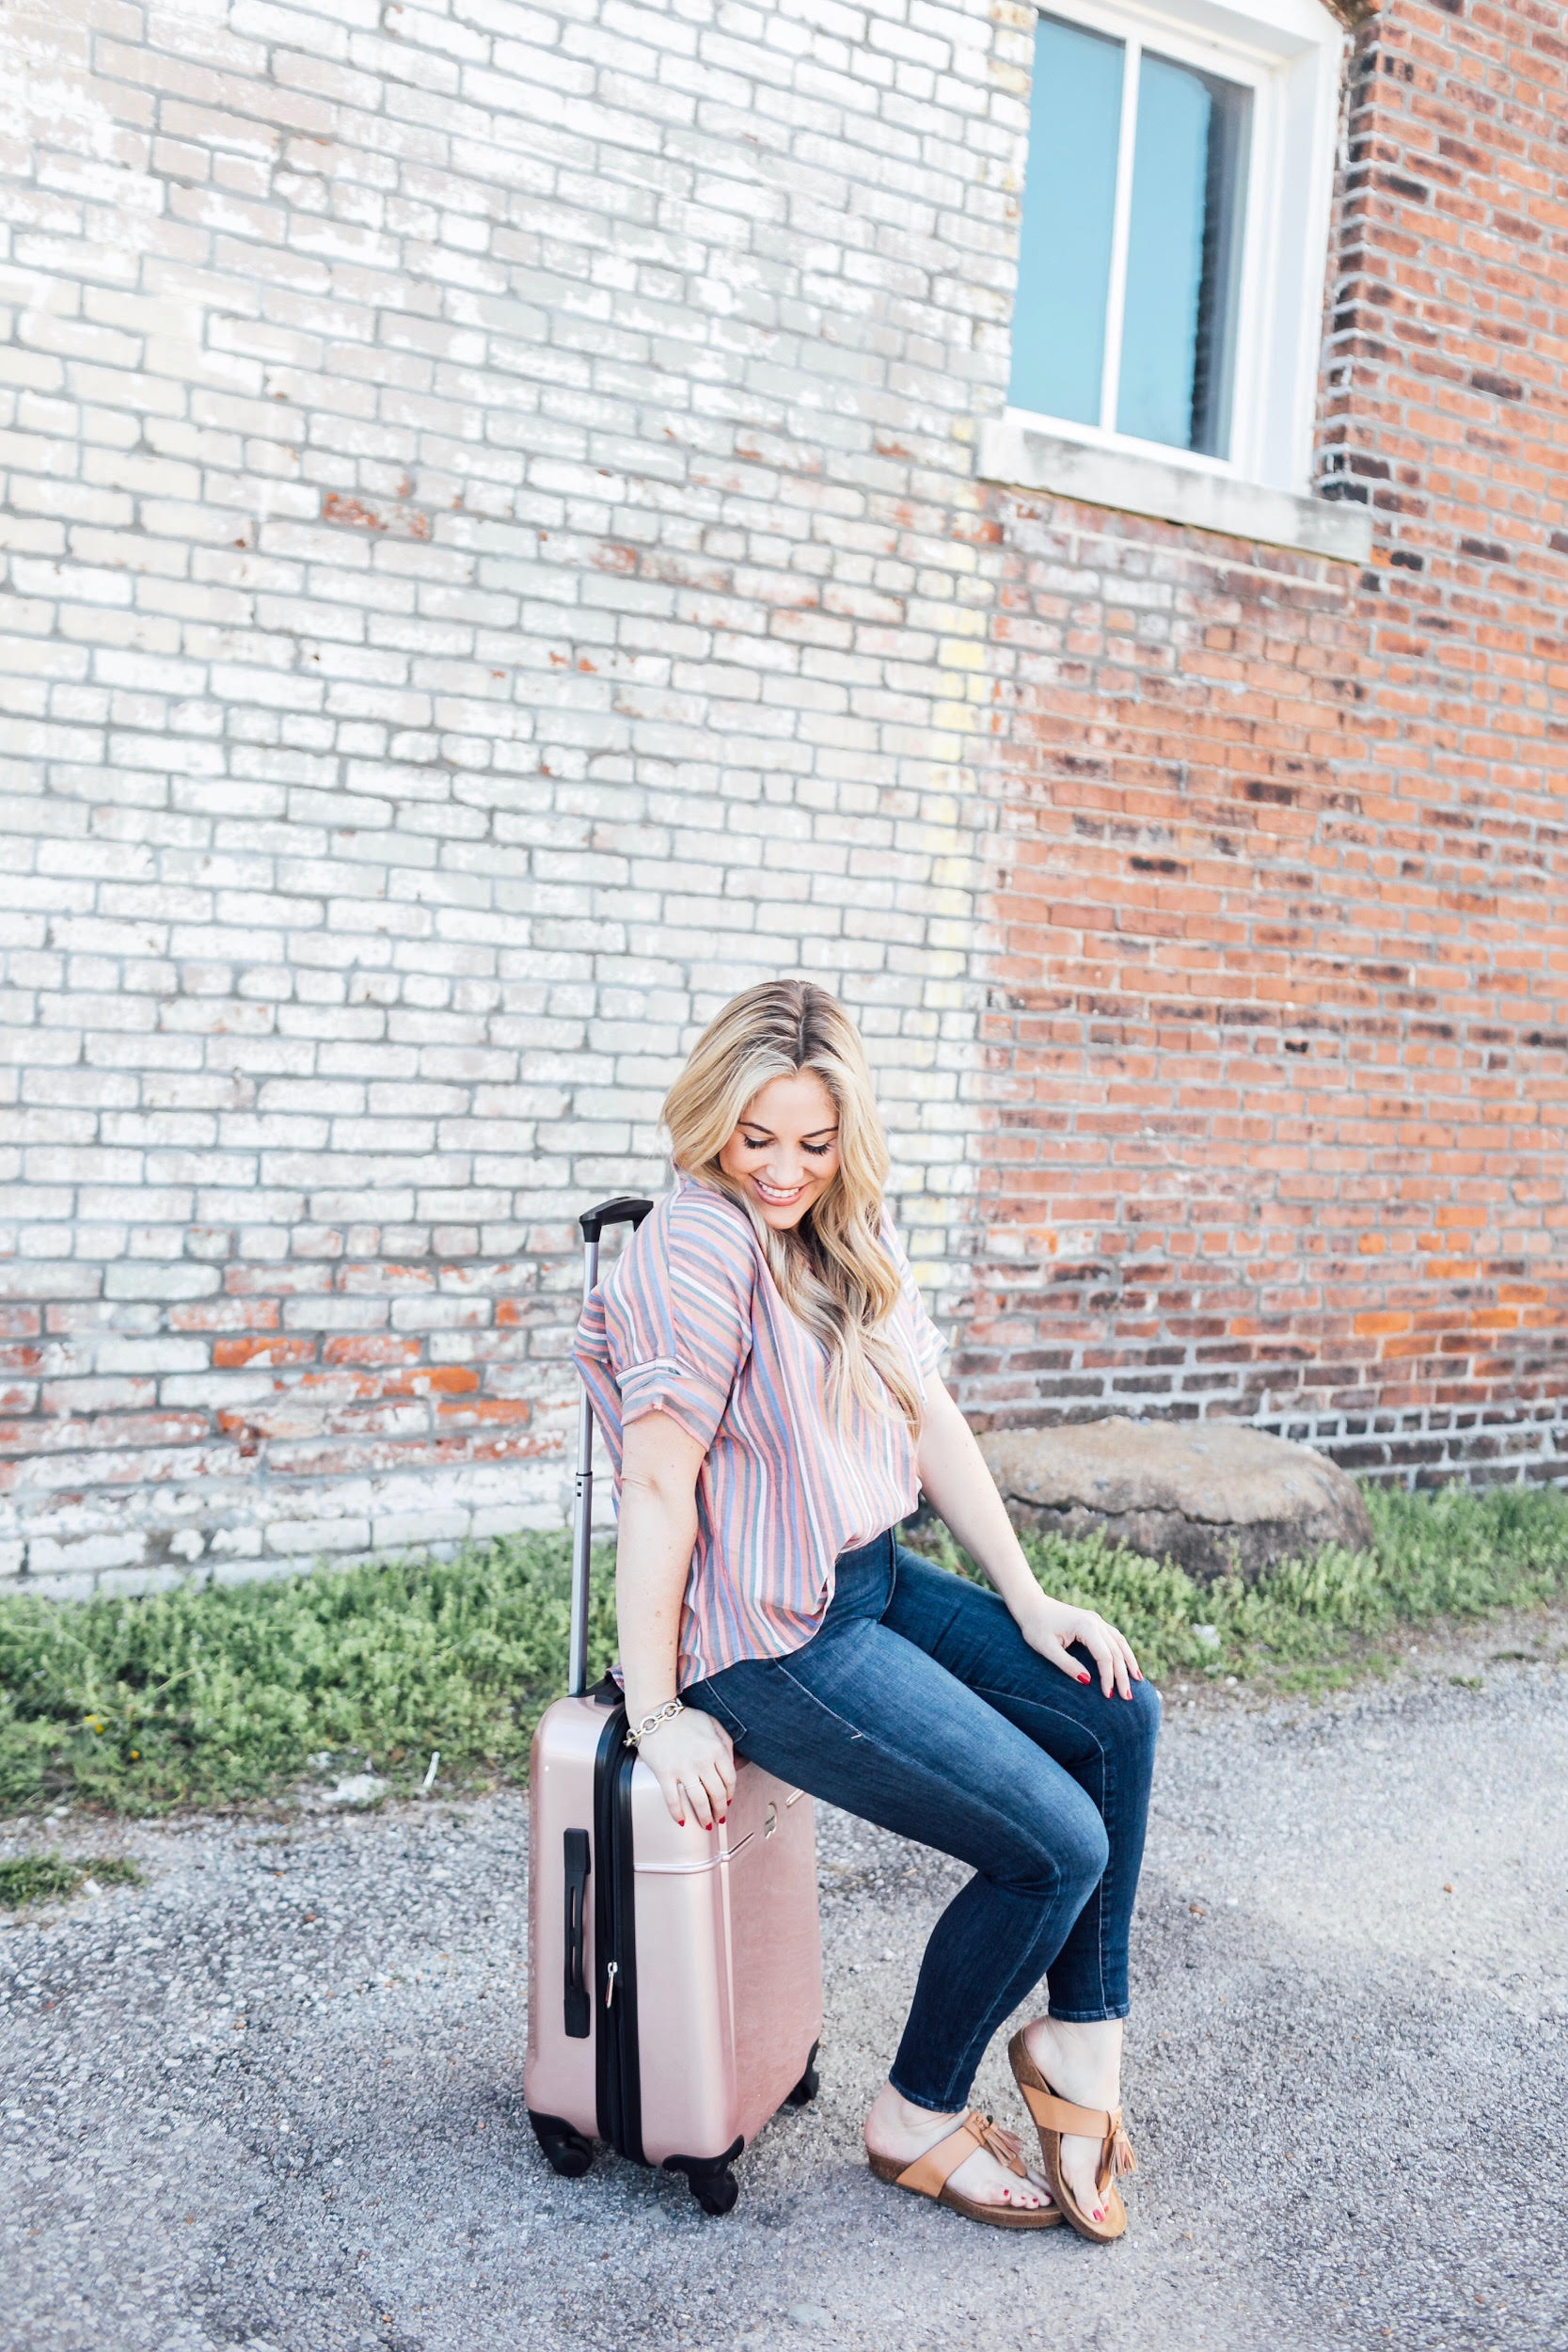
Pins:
x: 894, y: 2119
x: 1082, y: 2059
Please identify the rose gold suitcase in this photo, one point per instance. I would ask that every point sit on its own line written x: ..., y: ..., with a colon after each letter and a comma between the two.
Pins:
x: 674, y: 1975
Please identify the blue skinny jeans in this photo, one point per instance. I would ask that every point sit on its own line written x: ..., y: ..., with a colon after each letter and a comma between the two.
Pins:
x: 917, y: 1704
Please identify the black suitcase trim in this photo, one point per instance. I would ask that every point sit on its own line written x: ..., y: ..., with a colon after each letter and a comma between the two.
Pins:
x: 617, y: 2059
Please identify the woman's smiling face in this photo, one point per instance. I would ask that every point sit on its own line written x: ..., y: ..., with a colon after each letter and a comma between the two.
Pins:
x: 784, y: 1153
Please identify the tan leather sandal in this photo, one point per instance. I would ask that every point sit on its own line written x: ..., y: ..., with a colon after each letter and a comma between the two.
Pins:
x: 1052, y: 2118
x: 930, y: 2174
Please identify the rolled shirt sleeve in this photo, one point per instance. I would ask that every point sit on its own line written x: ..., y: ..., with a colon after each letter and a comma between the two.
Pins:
x: 678, y: 1328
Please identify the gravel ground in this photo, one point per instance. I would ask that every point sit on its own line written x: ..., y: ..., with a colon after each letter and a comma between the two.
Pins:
x: 271, y: 2099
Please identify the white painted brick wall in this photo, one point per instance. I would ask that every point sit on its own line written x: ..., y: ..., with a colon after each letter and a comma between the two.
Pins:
x: 491, y: 568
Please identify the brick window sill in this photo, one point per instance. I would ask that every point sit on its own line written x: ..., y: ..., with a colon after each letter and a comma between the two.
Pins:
x: 1024, y: 458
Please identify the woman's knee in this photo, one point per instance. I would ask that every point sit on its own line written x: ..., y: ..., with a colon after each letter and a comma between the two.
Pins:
x: 1131, y: 1728
x: 1083, y: 1853
x: 1064, y: 1847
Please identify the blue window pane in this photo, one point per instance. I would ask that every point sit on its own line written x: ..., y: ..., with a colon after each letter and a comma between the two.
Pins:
x: 1069, y: 189
x: 1183, y: 249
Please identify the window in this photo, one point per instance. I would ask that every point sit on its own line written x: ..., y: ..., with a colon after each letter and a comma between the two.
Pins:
x: 1131, y: 240
x: 1173, y: 230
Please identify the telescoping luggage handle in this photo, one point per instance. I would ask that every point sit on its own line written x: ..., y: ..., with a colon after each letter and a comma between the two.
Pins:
x: 624, y: 1210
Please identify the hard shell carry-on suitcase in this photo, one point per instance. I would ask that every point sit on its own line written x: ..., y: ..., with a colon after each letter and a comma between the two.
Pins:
x: 674, y: 1975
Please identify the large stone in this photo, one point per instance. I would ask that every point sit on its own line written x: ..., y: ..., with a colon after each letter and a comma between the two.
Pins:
x: 1213, y: 1495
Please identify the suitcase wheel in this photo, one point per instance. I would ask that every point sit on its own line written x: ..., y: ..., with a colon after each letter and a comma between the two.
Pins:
x: 716, y: 2192
x: 566, y: 2149
x: 709, y: 2178
x: 810, y: 2083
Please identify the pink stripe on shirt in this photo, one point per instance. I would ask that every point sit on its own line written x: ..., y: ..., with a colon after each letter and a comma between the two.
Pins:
x: 690, y: 1322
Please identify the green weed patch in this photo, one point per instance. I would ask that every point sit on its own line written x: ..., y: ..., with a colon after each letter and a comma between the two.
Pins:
x: 207, y: 1694
x: 42, y: 1878
x: 210, y: 1695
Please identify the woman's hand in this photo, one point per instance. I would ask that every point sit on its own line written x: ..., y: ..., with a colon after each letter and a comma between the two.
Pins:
x: 692, y: 1758
x: 1050, y: 1628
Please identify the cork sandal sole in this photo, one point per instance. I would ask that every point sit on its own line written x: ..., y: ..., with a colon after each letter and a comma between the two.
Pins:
x: 1056, y: 2118
x: 928, y: 2175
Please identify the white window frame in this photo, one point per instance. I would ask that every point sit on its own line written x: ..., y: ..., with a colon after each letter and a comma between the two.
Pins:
x: 1288, y: 53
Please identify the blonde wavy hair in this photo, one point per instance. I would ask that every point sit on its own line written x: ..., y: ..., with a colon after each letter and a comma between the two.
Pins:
x: 832, y: 1270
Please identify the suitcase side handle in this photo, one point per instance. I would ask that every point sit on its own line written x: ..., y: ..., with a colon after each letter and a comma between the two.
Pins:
x: 575, y: 2003
x: 626, y: 1209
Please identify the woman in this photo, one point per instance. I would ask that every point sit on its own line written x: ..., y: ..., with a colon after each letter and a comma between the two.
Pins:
x: 765, y: 1374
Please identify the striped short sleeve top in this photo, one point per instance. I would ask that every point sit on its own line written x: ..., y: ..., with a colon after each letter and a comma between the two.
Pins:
x: 690, y: 1322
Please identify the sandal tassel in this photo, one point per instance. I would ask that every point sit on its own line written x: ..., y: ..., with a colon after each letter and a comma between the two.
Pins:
x: 1122, y: 2158
x: 1002, y: 2143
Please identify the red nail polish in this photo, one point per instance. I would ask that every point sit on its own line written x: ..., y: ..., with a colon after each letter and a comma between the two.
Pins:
x: 1085, y: 1677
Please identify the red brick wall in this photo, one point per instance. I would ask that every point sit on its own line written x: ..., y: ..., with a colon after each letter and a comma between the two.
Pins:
x: 1278, y: 1013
